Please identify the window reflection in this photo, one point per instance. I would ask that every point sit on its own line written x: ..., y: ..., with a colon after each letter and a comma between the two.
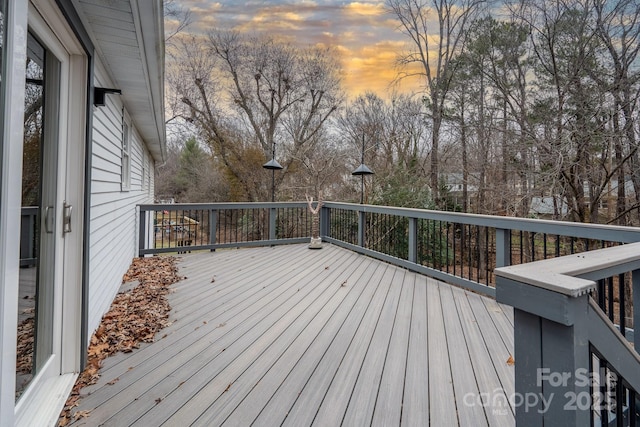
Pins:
x: 30, y: 230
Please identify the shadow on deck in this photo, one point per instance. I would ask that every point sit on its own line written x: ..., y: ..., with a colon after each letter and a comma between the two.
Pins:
x: 290, y: 336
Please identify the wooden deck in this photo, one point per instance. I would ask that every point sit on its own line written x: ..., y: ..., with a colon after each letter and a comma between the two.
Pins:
x: 290, y: 336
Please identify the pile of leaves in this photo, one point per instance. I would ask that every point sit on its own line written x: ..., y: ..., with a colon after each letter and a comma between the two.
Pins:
x: 24, y: 359
x: 135, y: 316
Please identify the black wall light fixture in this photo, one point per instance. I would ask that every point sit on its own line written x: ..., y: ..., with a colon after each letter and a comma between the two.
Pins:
x: 99, y: 93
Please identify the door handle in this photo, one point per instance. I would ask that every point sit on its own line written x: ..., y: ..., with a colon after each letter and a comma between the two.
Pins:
x: 48, y: 219
x: 67, y: 210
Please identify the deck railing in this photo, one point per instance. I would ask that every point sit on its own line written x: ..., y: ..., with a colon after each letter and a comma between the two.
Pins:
x: 589, y: 322
x: 188, y: 227
x: 463, y: 249
x: 569, y: 352
x: 28, y: 236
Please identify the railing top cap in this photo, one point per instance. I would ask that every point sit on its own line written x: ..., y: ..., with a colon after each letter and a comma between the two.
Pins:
x: 567, y: 275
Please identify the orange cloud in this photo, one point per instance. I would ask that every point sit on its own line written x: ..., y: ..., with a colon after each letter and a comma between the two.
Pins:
x: 364, y: 32
x: 365, y: 9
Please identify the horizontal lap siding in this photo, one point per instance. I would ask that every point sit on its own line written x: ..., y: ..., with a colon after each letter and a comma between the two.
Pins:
x: 112, y: 218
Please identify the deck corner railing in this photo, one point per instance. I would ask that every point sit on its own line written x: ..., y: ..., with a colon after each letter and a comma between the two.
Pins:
x: 462, y: 249
x: 575, y: 361
x: 165, y: 228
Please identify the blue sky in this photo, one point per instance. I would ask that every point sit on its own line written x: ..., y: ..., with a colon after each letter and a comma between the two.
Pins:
x: 364, y: 32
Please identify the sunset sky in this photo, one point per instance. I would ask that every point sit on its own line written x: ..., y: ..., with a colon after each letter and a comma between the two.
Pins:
x: 364, y: 32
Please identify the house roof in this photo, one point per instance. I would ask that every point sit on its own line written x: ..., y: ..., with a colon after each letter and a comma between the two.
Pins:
x: 128, y: 36
x: 545, y: 205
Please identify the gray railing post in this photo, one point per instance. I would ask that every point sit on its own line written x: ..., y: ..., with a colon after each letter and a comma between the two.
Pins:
x: 361, y: 227
x: 28, y: 224
x: 325, y: 222
x: 635, y: 279
x: 551, y: 346
x: 141, y: 232
x: 503, y: 247
x: 213, y: 227
x: 413, y: 240
x: 272, y: 223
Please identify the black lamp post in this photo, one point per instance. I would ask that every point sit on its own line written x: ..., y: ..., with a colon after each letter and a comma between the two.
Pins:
x: 362, y: 170
x: 273, y: 165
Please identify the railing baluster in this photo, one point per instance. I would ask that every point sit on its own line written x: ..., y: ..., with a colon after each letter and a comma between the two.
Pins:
x: 455, y: 255
x: 477, y: 252
x: 446, y: 260
x: 633, y: 409
x: 601, y: 294
x: 521, y: 247
x: 413, y: 240
x: 470, y: 252
x: 635, y: 280
x: 619, y: 403
x: 213, y: 226
x: 609, y: 284
x: 604, y: 411
x: 622, y: 304
x: 486, y: 263
x: 533, y: 246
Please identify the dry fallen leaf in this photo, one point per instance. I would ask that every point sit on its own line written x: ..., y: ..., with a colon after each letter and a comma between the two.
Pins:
x: 135, y: 316
x: 80, y: 414
x: 511, y: 361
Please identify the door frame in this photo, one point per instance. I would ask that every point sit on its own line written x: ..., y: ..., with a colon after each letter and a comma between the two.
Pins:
x: 47, y: 22
x: 13, y: 73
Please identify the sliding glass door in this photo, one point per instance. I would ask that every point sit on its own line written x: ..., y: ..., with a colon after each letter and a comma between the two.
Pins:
x: 39, y: 225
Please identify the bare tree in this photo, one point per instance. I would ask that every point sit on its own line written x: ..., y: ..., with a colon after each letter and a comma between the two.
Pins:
x: 618, y: 27
x: 394, y: 134
x: 437, y: 30
x: 247, y: 94
x: 176, y: 20
x: 571, y: 157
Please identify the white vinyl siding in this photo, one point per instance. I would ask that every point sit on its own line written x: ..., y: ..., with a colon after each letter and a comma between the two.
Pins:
x: 113, y: 233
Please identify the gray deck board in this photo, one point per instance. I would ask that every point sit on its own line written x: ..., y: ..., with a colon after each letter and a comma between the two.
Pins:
x: 300, y: 335
x: 302, y: 372
x: 464, y: 379
x: 484, y: 366
x: 363, y: 398
x: 494, y: 344
x: 231, y: 333
x: 289, y: 336
x: 217, y: 367
x: 388, y: 409
x: 442, y: 407
x: 343, y: 382
x: 415, y: 409
x: 313, y: 381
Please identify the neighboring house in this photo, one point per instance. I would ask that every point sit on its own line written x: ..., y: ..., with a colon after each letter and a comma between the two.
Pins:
x: 454, y: 182
x: 81, y: 156
x: 549, y: 207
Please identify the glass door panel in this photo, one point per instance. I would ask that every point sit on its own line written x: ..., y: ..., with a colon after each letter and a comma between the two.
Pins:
x: 38, y: 225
